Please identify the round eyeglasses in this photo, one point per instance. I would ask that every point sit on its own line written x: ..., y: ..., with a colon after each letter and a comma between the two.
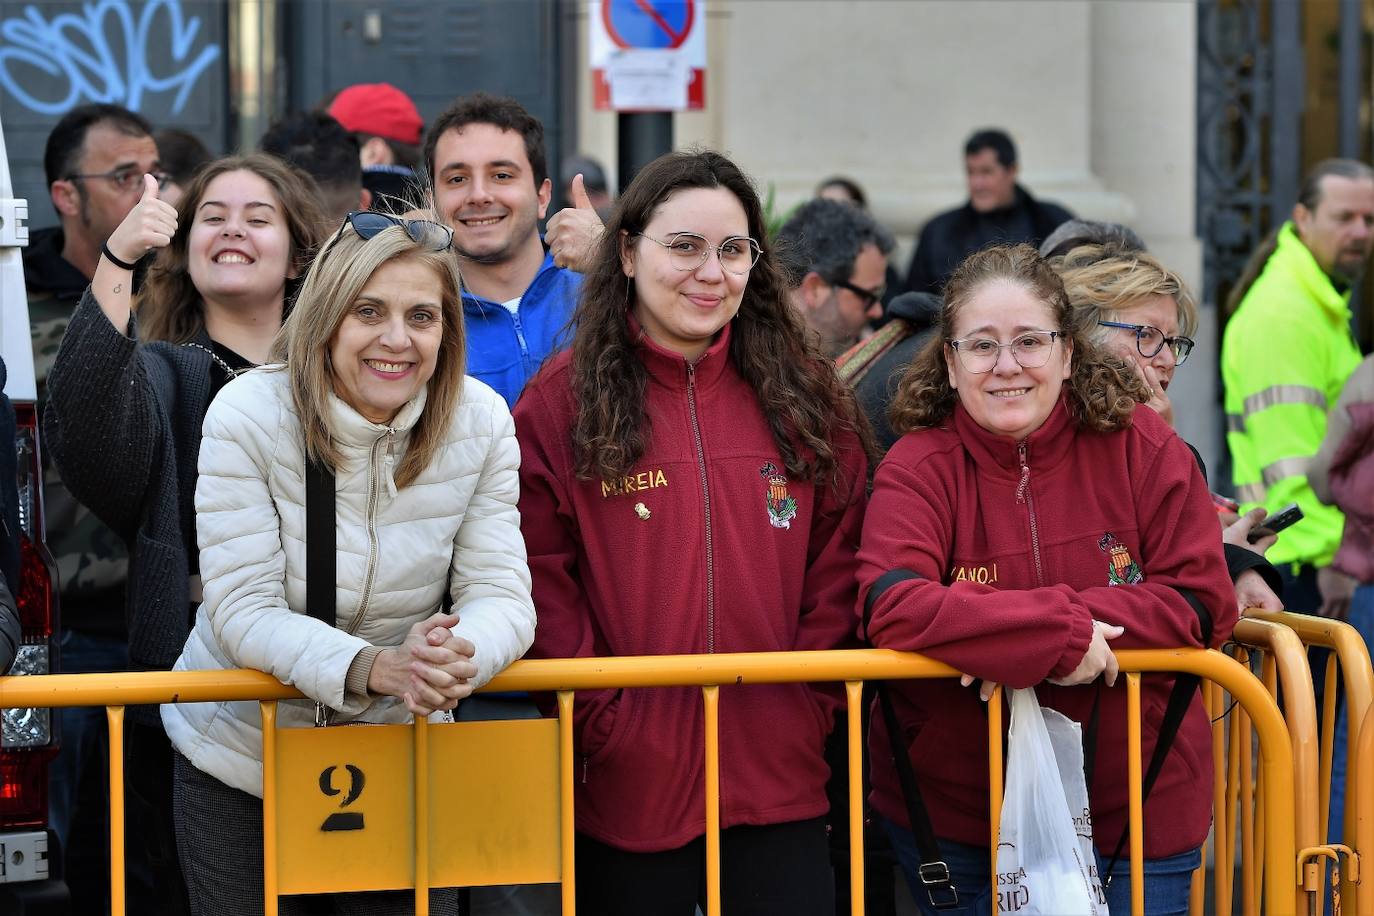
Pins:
x: 1031, y: 350
x: 688, y: 251
x: 1150, y: 340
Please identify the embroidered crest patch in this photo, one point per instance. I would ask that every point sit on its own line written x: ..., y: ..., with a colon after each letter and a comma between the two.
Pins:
x: 1121, y: 570
x: 782, y: 507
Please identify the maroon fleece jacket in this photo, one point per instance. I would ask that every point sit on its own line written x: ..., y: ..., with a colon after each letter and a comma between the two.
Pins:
x: 1019, y: 547
x: 707, y: 545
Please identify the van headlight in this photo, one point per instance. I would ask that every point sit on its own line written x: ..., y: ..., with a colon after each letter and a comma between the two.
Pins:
x: 27, y: 727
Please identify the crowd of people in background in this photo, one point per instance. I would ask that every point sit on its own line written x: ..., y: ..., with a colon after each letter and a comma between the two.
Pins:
x: 655, y: 428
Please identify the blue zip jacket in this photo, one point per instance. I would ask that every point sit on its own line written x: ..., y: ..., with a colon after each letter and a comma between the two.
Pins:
x: 505, y: 350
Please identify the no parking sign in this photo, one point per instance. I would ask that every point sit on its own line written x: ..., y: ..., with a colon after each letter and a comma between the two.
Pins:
x: 648, y: 55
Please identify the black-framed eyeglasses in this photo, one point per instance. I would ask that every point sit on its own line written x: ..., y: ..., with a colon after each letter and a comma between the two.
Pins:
x: 125, y: 179
x: 1150, y: 340
x: 1030, y: 349
x: 869, y: 296
x: 688, y: 251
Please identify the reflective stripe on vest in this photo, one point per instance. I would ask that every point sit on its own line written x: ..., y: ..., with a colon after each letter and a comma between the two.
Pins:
x: 1284, y: 467
x: 1283, y: 394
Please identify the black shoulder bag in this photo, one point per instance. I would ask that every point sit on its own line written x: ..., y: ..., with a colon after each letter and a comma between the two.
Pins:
x: 321, y: 546
x: 933, y: 870
x: 1180, y: 698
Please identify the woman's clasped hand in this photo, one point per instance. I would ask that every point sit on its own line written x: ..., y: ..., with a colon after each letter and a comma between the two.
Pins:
x: 430, y: 670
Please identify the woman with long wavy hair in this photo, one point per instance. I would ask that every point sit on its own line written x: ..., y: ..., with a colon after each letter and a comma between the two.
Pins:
x: 692, y: 481
x: 125, y: 409
x: 1029, y: 521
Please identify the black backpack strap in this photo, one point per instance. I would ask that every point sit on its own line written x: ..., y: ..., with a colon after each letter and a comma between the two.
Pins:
x: 321, y: 547
x: 932, y: 870
x: 1090, y: 729
x: 883, y: 583
x: 1180, y: 698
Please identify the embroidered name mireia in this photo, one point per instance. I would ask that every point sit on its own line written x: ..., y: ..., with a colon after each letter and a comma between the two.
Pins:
x: 633, y: 483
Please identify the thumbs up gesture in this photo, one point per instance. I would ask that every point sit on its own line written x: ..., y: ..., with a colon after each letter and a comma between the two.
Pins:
x: 574, y: 231
x: 150, y: 224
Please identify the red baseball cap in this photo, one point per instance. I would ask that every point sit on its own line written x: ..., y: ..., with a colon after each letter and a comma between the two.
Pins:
x: 378, y: 108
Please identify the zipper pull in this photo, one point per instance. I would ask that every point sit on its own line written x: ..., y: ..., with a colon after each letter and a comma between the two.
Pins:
x: 388, y: 462
x: 584, y: 771
x: 691, y: 375
x: 1025, y: 473
x: 321, y: 716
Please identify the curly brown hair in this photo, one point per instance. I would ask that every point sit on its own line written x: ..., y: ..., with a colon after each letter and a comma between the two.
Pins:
x: 1103, y: 389
x: 804, y: 401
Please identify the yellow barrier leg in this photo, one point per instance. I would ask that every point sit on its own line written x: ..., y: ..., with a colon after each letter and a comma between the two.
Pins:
x: 269, y: 807
x: 994, y: 781
x: 114, y: 715
x: 1269, y: 667
x: 711, y: 697
x: 1222, y: 819
x: 854, y: 693
x: 421, y: 776
x: 1249, y: 891
x: 1133, y: 783
x: 1235, y: 822
x: 567, y: 817
x: 1328, y: 740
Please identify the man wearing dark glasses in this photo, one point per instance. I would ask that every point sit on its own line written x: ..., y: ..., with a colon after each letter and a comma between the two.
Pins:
x: 94, y: 161
x: 837, y: 255
x: 485, y: 157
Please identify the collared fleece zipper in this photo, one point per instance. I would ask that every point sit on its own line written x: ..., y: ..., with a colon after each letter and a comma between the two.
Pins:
x: 381, y: 451
x: 1023, y: 495
x: 706, y: 498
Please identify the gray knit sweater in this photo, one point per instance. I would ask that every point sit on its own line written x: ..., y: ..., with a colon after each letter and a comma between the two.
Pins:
x: 123, y: 426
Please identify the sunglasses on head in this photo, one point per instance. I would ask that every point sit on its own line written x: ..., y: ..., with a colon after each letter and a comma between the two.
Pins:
x: 368, y: 223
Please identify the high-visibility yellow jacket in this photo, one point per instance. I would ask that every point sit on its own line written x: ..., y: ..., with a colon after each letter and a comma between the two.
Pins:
x: 1285, y: 355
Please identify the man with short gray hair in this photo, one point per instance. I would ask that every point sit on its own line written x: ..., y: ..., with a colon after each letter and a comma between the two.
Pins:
x: 837, y: 255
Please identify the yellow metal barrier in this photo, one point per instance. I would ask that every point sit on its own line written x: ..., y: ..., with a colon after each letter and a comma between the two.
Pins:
x: 1281, y: 894
x: 1284, y: 672
x: 1361, y: 785
x: 1350, y: 658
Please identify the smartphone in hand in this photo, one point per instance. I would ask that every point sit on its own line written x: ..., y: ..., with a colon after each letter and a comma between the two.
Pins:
x: 1286, y: 517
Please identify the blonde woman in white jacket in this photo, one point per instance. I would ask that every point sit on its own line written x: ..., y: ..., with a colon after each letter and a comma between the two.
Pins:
x: 426, y: 480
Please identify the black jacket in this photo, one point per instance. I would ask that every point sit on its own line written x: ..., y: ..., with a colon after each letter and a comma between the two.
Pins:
x: 955, y: 234
x: 875, y: 389
x: 123, y: 425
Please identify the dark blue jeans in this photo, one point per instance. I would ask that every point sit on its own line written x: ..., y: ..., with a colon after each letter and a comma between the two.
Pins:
x: 1167, y: 881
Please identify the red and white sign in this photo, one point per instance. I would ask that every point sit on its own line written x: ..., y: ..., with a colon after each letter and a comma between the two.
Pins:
x: 648, y: 55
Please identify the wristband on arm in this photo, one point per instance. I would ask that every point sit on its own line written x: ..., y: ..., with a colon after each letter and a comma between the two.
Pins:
x: 110, y: 256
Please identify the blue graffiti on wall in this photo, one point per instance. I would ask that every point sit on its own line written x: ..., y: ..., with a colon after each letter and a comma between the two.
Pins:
x: 75, y: 52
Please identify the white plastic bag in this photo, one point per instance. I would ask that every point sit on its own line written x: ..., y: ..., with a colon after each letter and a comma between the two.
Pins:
x: 1041, y: 867
x: 1066, y: 736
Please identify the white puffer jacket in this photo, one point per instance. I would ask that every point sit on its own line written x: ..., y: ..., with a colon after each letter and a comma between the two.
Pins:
x: 456, y: 527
